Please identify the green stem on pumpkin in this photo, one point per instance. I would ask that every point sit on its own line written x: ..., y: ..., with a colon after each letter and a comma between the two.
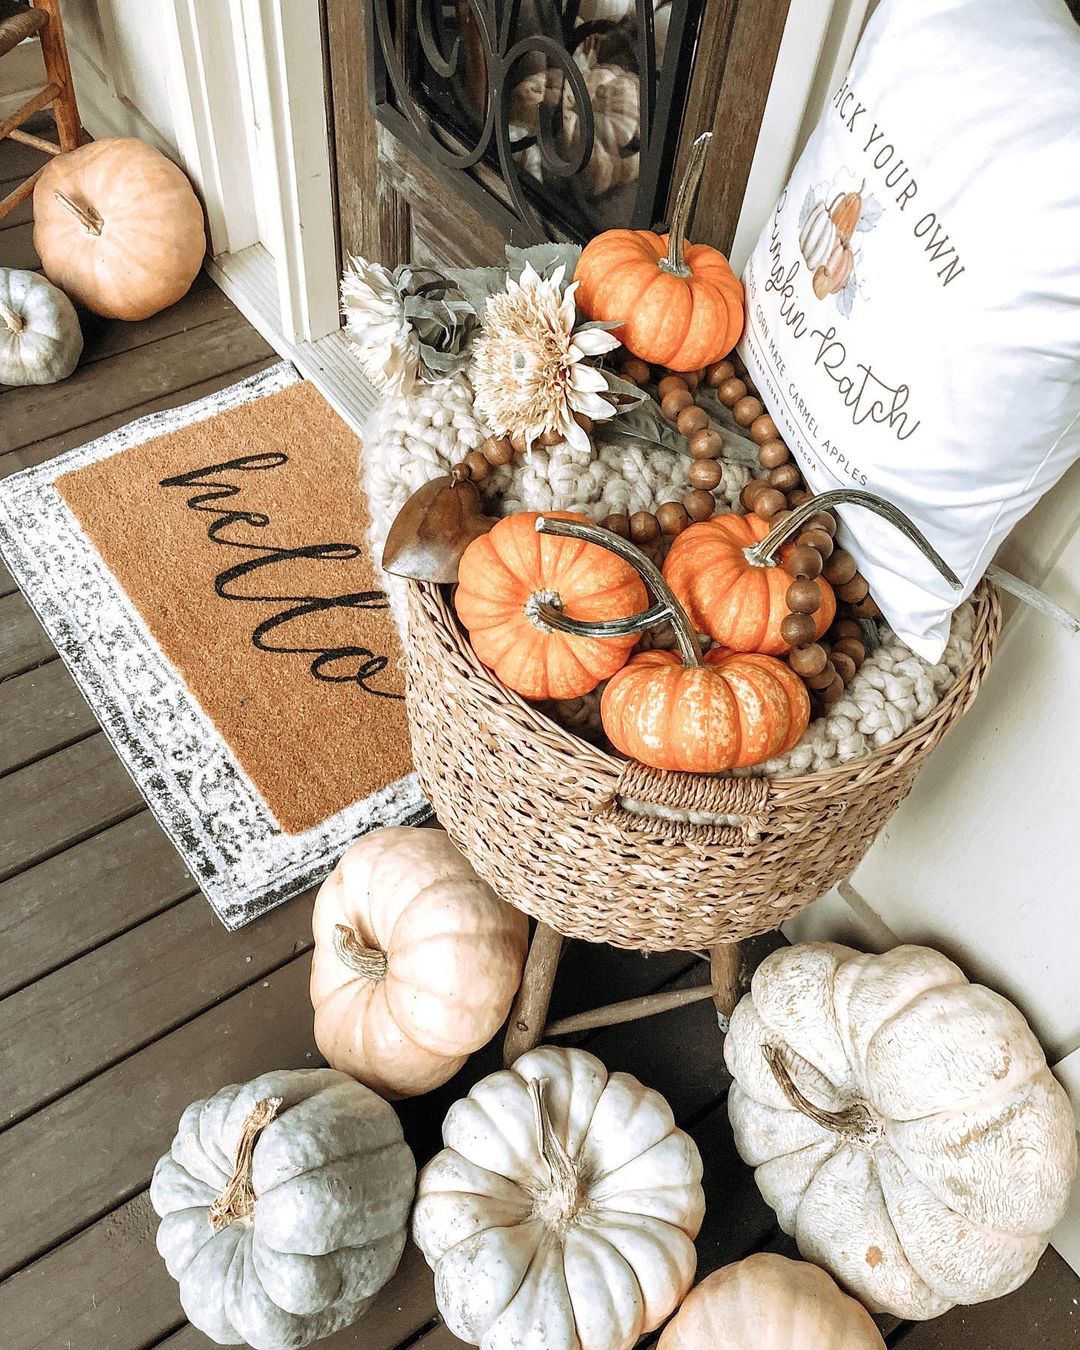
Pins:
x: 546, y: 611
x: 675, y: 262
x: 764, y: 553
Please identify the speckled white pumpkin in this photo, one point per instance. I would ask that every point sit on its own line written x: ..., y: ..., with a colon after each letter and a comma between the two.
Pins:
x: 321, y: 1219
x: 40, y: 337
x: 562, y: 1212
x: 921, y: 1150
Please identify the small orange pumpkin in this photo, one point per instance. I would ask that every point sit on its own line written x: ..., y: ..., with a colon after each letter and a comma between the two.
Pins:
x: 679, y: 304
x: 507, y: 580
x: 738, y: 603
x: 845, y: 214
x: 738, y: 709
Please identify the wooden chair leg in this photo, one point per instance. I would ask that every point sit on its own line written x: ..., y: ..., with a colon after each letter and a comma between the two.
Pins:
x: 529, y: 1013
x: 726, y: 964
x: 58, y: 72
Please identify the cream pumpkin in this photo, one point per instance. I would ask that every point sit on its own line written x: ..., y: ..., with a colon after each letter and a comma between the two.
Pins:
x: 562, y: 1212
x: 416, y: 961
x: 118, y: 227
x: 903, y: 1123
x: 767, y: 1302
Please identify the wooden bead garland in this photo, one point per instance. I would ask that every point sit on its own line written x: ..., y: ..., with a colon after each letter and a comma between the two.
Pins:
x: 826, y: 666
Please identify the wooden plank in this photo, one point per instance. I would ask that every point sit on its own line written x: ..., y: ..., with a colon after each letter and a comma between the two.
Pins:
x: 7, y: 582
x: 40, y: 451
x: 117, y: 383
x: 19, y: 216
x: 101, y: 1008
x: 17, y: 248
x: 109, y: 337
x: 56, y: 911
x: 41, y: 711
x: 23, y: 642
x: 61, y: 800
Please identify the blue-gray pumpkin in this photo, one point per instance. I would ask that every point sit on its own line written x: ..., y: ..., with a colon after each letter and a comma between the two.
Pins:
x: 40, y: 337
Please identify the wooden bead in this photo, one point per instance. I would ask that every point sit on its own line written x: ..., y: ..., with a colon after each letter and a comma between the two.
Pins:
x: 823, y: 678
x: 477, y: 465
x: 845, y: 666
x: 854, y: 590
x: 731, y: 391
x: 804, y: 597
x: 675, y: 401
x: 460, y: 472
x: 692, y: 378
x: 823, y: 520
x: 700, y: 505
x: 691, y: 420
x: 747, y: 410
x: 834, y: 692
x: 517, y: 440
x: 671, y: 384
x: 617, y: 524
x: 772, y: 454
x: 763, y: 429
x: 866, y: 608
x: 585, y: 422
x: 672, y: 517
x: 717, y: 373
x: 785, y: 477
x: 804, y: 562
x: 637, y: 370
x: 705, y: 473
x: 850, y: 647
x: 797, y: 497
x: 846, y: 628
x: 798, y: 629
x: 769, y: 503
x: 840, y: 568
x: 751, y: 492
x: 551, y: 437
x: 706, y: 444
x: 780, y: 517
x: 808, y: 660
x: 498, y: 450
x: 644, y: 527
x: 817, y: 539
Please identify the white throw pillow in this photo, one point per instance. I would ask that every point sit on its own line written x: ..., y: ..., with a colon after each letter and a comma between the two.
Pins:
x: 936, y: 362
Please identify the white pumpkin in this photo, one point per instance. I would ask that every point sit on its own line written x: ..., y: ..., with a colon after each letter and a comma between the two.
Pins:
x: 284, y: 1204
x: 40, y: 337
x: 562, y: 1212
x: 903, y: 1124
x: 818, y: 237
x: 615, y: 97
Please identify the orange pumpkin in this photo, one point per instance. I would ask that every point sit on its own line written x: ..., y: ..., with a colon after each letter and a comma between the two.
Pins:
x: 738, y: 604
x: 679, y: 305
x: 739, y: 709
x: 507, y: 578
x: 118, y: 228
x: 845, y: 214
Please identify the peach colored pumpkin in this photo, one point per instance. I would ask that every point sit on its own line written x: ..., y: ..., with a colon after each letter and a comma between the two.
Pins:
x: 416, y: 961
x: 506, y: 573
x: 118, y: 228
x: 738, y: 604
x: 739, y: 709
x: 767, y: 1302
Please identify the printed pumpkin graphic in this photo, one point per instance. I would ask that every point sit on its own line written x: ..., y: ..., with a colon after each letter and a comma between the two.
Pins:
x: 829, y: 222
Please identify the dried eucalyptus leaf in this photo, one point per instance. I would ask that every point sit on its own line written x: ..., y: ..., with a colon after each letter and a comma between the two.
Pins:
x: 545, y: 258
x: 476, y: 284
x: 625, y: 394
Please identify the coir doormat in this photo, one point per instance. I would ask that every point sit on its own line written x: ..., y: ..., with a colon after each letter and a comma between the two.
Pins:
x: 204, y: 575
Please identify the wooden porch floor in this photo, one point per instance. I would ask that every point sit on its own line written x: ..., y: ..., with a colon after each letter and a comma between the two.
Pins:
x: 122, y: 999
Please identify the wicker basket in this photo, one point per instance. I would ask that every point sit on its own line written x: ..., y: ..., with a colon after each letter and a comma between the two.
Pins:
x: 552, y: 823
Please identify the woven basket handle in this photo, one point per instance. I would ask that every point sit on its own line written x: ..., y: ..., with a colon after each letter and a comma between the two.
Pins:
x: 715, y: 801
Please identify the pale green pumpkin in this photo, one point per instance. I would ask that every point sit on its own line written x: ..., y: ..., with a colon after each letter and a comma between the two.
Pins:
x: 284, y: 1204
x: 40, y: 338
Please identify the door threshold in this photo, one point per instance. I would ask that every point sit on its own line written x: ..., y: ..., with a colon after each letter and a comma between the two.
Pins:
x: 249, y: 279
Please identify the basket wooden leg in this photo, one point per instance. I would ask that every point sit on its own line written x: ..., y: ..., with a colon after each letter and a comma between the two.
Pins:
x: 529, y: 1013
x: 726, y: 964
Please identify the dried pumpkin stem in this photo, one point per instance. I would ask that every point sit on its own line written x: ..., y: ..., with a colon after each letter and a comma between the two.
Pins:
x: 351, y: 950
x: 237, y: 1200
x: 86, y: 215
x: 558, y: 1202
x: 675, y: 262
x: 15, y: 322
x: 764, y: 553
x: 854, y: 1122
x: 667, y: 608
